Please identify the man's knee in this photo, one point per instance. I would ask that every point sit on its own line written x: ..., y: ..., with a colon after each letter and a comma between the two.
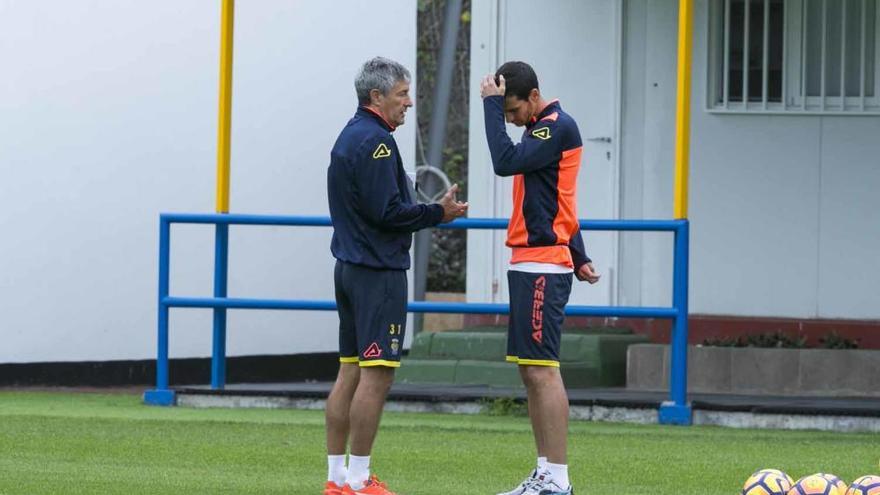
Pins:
x: 349, y: 371
x: 377, y: 377
x: 348, y: 376
x: 539, y: 376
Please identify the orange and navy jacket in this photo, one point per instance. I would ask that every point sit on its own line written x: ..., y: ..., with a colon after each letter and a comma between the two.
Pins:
x: 544, y: 226
x: 371, y: 209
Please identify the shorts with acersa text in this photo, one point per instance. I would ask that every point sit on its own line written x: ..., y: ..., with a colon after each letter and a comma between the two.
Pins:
x: 537, y: 310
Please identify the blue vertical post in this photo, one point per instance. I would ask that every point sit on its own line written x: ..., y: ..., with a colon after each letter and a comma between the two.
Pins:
x: 162, y: 395
x: 677, y: 410
x: 221, y: 265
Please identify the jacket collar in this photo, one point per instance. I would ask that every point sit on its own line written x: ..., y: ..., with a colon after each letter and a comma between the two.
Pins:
x: 551, y: 107
x: 369, y: 112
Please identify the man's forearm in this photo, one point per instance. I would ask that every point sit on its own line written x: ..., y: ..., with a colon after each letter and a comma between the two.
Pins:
x: 501, y: 148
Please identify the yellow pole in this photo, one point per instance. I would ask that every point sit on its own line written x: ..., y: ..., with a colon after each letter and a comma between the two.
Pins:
x: 682, y: 107
x: 225, y: 108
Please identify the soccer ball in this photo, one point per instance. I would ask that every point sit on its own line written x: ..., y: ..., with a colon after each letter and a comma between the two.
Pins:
x: 767, y: 482
x: 819, y: 484
x: 866, y: 485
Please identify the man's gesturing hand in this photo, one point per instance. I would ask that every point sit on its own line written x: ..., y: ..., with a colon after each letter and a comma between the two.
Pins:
x: 489, y: 88
x: 452, y: 208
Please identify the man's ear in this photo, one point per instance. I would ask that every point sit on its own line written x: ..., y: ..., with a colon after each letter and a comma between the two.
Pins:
x: 534, y: 95
x: 375, y: 96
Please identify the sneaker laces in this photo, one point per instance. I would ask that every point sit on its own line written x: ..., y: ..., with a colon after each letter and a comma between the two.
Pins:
x: 532, y: 480
x: 374, y: 480
x: 538, y: 481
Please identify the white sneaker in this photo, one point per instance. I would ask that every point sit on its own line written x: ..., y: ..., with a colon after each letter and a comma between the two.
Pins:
x: 521, y: 489
x: 543, y: 485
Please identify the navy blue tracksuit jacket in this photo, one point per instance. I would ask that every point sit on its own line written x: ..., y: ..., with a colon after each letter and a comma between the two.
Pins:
x: 372, y: 211
x: 544, y: 226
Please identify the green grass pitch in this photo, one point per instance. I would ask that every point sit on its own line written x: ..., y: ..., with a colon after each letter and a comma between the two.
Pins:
x: 62, y: 443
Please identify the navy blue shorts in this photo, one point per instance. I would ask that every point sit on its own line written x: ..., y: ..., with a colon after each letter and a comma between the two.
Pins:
x: 537, y: 310
x: 372, y: 314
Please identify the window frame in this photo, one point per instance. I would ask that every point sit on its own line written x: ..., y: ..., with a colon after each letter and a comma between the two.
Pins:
x: 793, y: 84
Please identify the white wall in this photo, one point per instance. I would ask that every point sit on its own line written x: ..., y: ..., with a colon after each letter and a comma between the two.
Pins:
x: 586, y: 88
x: 647, y: 140
x: 783, y: 208
x: 108, y: 116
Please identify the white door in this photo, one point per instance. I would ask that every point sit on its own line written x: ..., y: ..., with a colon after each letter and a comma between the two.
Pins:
x: 573, y: 46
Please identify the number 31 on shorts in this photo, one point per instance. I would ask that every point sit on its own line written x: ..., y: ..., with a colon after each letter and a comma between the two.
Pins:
x: 395, y: 329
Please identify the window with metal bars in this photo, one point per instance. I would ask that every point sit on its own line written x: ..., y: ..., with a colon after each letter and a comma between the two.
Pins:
x: 812, y: 56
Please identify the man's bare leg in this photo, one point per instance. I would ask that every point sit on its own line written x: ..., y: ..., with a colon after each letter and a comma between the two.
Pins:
x: 534, y: 411
x: 548, y: 410
x: 366, y: 407
x: 338, y: 406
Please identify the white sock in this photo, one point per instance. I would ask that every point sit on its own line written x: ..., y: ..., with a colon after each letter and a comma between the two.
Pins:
x: 559, y: 474
x: 358, y: 471
x: 336, y: 469
x: 542, y: 464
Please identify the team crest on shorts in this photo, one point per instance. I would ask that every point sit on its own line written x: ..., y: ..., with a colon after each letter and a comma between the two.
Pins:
x: 395, y: 346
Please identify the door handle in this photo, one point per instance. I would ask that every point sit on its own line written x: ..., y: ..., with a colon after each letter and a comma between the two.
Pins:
x: 600, y: 139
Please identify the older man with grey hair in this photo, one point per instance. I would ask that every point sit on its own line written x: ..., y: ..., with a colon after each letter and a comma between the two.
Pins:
x: 373, y: 216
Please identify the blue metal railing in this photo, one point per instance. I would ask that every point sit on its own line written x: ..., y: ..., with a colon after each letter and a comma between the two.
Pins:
x: 675, y: 411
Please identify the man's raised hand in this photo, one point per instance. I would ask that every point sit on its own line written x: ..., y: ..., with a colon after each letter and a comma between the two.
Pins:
x: 452, y: 208
x: 489, y: 88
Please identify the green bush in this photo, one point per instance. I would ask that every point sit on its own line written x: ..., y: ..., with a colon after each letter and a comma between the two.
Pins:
x: 504, y: 406
x: 834, y: 341
x: 777, y: 339
x: 781, y: 340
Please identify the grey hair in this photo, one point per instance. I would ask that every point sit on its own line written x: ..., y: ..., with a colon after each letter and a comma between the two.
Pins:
x: 378, y: 73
